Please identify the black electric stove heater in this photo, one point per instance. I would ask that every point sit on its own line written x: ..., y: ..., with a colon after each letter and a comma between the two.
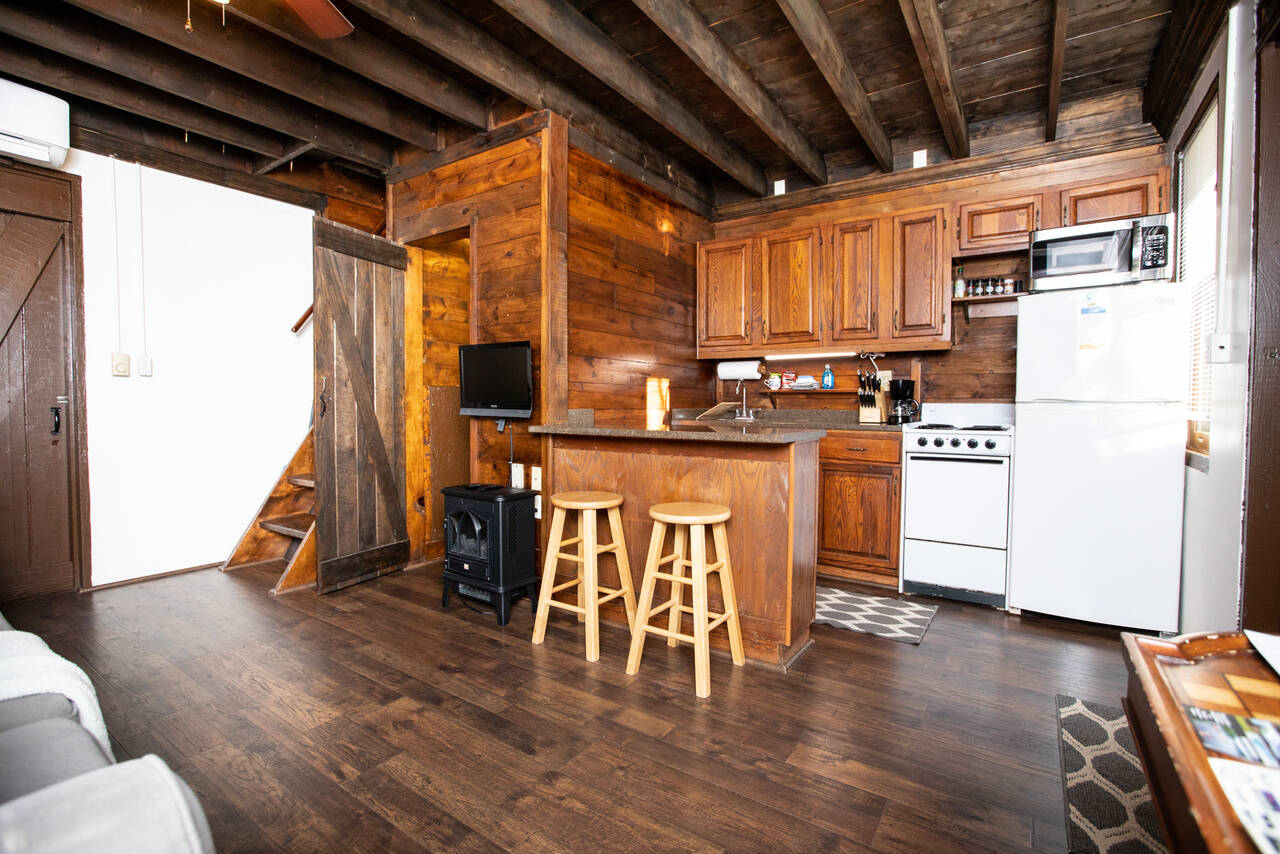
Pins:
x: 489, y: 545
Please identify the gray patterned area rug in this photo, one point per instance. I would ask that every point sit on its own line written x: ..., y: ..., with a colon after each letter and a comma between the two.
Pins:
x: 1107, y: 801
x: 896, y: 619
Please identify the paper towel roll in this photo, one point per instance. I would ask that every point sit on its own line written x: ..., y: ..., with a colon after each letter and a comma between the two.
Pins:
x: 738, y: 370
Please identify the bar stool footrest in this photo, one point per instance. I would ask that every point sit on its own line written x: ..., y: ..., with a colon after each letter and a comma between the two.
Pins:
x: 667, y: 633
x: 567, y: 607
x: 573, y: 582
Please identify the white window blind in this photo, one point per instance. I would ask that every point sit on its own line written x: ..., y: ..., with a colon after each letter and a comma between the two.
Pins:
x: 1198, y: 258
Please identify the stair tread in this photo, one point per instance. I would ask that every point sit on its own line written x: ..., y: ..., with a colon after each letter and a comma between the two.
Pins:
x: 290, y: 524
x: 302, y: 479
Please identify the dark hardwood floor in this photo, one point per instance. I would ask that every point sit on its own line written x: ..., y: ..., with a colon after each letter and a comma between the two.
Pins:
x: 370, y: 720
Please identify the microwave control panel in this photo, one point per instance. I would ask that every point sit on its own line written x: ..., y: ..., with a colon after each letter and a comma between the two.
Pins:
x: 1155, y: 247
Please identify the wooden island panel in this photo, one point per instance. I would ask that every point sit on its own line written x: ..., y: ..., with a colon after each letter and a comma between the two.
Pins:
x: 772, y: 491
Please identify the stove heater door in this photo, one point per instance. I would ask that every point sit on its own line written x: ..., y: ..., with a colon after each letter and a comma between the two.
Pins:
x: 956, y: 499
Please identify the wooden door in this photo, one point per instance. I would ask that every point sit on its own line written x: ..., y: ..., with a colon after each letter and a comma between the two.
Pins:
x: 921, y: 290
x: 789, y: 294
x: 38, y: 522
x: 725, y: 281
x: 1138, y: 196
x: 854, y: 290
x: 1000, y: 225
x: 858, y: 518
x: 359, y: 375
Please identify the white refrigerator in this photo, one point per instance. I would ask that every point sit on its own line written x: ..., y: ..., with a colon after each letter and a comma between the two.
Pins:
x: 1096, y: 530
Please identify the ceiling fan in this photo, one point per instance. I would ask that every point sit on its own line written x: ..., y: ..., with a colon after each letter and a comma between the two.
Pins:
x: 320, y: 16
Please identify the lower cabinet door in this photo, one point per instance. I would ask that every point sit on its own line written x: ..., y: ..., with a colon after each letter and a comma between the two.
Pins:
x: 858, y: 519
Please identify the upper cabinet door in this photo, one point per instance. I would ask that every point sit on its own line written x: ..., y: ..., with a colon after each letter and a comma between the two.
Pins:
x: 1003, y: 225
x: 920, y: 283
x: 1138, y: 196
x: 725, y: 278
x: 853, y: 266
x: 790, y: 297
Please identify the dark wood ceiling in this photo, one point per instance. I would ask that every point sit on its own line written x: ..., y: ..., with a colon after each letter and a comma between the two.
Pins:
x: 713, y: 99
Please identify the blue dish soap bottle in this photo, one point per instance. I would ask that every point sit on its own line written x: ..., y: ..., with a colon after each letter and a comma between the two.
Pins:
x: 828, y: 378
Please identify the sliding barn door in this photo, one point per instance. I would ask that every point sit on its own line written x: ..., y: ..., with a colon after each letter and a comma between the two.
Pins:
x: 359, y: 406
x: 37, y: 521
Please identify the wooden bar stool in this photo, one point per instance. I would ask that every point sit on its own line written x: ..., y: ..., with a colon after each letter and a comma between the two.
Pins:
x: 692, y: 517
x: 588, y: 578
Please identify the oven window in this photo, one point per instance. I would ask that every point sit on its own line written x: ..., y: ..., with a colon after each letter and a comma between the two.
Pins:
x: 1109, y: 252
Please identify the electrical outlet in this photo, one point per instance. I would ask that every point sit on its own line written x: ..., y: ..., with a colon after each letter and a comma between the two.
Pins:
x: 119, y: 364
x: 145, y: 365
x: 517, y: 475
x: 537, y: 506
x: 535, y: 478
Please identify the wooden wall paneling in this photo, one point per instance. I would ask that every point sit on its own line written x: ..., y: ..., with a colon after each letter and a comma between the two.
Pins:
x: 854, y: 259
x: 790, y: 286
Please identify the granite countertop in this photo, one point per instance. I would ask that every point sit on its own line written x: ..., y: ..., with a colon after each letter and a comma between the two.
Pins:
x: 703, y: 431
x: 809, y: 419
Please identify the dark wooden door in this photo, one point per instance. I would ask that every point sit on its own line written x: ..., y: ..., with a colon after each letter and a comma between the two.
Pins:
x: 920, y: 274
x: 37, y: 520
x: 790, y: 299
x: 858, y: 524
x: 725, y: 279
x: 853, y: 260
x: 359, y: 375
x: 1137, y: 196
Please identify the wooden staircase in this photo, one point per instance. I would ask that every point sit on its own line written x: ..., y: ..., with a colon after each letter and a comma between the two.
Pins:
x: 284, y: 530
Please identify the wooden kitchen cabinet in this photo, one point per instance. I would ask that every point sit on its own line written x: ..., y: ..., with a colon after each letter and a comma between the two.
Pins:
x: 859, y: 501
x: 1137, y: 196
x: 853, y: 267
x: 790, y: 286
x: 920, y: 278
x: 726, y: 280
x: 998, y: 226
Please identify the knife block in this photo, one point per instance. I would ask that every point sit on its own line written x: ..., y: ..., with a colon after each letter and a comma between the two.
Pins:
x: 878, y: 412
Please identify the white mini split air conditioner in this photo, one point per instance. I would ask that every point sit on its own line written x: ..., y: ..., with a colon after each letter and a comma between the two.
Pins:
x: 34, y: 127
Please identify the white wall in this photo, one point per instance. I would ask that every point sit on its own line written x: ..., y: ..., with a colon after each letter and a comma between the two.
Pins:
x: 1214, y: 515
x: 180, y: 461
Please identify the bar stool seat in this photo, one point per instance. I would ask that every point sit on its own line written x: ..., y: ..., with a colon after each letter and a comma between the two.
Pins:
x: 689, y: 520
x: 587, y: 581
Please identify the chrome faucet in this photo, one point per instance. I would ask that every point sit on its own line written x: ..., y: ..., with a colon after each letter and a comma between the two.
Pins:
x: 744, y: 414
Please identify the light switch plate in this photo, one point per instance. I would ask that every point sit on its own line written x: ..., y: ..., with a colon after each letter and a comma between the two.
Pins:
x: 145, y: 365
x: 535, y: 478
x: 517, y: 475
x: 119, y: 364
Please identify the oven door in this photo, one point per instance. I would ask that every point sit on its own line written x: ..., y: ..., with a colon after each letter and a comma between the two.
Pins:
x: 956, y: 499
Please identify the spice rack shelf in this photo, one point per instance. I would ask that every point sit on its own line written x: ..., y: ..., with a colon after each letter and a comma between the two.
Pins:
x: 990, y: 297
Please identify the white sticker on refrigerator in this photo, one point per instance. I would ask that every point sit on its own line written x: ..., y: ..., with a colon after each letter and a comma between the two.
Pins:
x: 1093, y: 325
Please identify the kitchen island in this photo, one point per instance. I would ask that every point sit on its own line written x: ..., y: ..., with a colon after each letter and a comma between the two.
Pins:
x: 766, y: 475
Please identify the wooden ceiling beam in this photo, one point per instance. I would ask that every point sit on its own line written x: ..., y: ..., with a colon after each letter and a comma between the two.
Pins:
x: 924, y: 23
x: 69, y: 77
x: 443, y: 31
x: 270, y: 164
x: 170, y: 71
x: 367, y: 55
x: 684, y: 26
x: 574, y: 35
x: 812, y: 25
x: 1057, y: 51
x: 247, y: 51
x: 1193, y: 25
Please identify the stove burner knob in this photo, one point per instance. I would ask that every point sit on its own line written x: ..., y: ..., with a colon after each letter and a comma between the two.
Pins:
x: 973, y: 443
x: 922, y: 441
x: 991, y: 444
x: 955, y: 443
x: 937, y: 443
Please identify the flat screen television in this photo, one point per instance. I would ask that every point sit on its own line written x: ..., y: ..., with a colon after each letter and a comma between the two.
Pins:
x: 496, y: 379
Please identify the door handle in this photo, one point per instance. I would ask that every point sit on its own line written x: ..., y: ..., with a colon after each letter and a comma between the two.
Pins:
x: 324, y: 383
x: 57, y: 420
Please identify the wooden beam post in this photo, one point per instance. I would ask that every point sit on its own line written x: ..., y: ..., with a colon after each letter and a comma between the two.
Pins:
x: 924, y: 23
x: 1057, y: 50
x: 271, y: 164
x: 684, y: 26
x: 814, y: 29
x: 554, y: 346
x: 571, y: 32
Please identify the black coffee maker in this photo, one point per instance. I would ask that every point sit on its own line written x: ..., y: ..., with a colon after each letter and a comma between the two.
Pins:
x: 903, y: 408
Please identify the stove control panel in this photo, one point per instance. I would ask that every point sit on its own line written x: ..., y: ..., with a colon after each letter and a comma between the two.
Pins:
x: 959, y: 441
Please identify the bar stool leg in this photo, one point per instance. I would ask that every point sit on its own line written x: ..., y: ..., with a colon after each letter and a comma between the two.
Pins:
x: 624, y: 566
x: 589, y: 589
x: 727, y: 592
x: 701, y: 640
x: 645, y: 605
x: 582, y: 567
x: 677, y: 589
x: 548, y: 575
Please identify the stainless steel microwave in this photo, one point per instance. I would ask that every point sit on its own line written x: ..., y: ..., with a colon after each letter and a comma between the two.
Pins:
x: 1117, y: 252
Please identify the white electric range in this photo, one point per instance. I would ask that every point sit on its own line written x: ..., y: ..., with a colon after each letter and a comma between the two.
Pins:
x: 957, y: 475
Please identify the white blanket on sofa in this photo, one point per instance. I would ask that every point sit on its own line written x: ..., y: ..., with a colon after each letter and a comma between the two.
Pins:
x: 28, y: 666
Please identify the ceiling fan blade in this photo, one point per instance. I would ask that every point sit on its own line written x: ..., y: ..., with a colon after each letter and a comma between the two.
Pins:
x: 322, y: 18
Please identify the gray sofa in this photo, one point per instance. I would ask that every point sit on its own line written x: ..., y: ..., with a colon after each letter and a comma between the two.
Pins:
x: 61, y: 791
